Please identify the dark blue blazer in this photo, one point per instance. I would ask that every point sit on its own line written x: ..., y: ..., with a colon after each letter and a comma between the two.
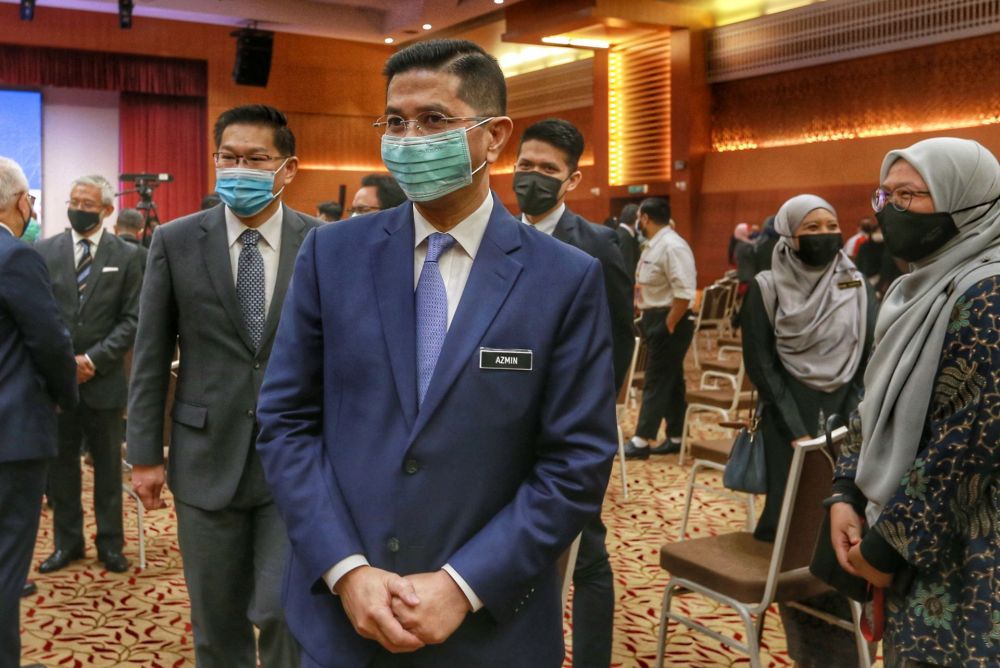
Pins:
x: 37, y: 369
x: 497, y: 471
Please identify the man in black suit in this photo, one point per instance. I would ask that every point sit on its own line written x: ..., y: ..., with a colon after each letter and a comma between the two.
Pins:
x: 128, y: 227
x: 628, y: 238
x: 37, y: 373
x: 545, y: 171
x: 96, y: 279
x: 215, y: 284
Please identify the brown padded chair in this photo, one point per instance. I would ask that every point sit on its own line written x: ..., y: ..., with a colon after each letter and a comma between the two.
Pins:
x: 749, y: 575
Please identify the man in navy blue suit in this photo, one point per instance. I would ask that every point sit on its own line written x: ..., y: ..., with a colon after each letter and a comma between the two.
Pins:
x: 437, y: 422
x: 37, y: 373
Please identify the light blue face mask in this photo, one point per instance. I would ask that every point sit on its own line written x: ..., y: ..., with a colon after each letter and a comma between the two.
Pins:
x: 246, y: 191
x: 428, y: 168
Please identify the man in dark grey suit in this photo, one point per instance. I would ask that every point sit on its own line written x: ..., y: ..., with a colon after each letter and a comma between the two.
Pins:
x: 128, y: 227
x: 96, y: 279
x: 544, y: 173
x: 37, y: 372
x: 215, y: 283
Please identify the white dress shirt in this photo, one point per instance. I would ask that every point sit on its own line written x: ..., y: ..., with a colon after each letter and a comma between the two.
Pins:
x: 95, y: 242
x: 549, y: 222
x: 666, y: 271
x: 9, y: 230
x: 269, y: 247
x: 455, y: 264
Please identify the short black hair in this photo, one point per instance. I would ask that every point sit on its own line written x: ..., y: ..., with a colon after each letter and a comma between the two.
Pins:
x: 210, y: 200
x: 387, y: 191
x: 258, y: 114
x: 657, y: 208
x: 559, y: 133
x: 332, y: 210
x: 629, y: 214
x: 130, y: 219
x: 482, y: 85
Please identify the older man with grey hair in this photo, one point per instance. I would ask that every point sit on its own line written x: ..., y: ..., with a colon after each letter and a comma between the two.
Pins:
x: 96, y: 278
x: 36, y: 365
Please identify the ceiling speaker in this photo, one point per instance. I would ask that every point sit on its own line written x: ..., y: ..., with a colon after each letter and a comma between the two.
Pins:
x: 253, y: 56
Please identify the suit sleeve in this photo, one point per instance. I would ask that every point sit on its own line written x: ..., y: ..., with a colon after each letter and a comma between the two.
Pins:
x: 576, y: 444
x: 290, y: 444
x: 155, y: 343
x: 112, y: 348
x: 26, y: 291
x: 618, y: 289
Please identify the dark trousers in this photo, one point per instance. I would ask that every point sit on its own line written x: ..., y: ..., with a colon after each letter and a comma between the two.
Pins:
x: 663, y: 387
x: 234, y: 566
x: 593, y: 599
x: 22, y: 484
x: 102, y: 430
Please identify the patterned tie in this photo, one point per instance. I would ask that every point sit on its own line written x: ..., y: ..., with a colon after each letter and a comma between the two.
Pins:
x: 83, y: 266
x: 432, y: 311
x: 250, y: 285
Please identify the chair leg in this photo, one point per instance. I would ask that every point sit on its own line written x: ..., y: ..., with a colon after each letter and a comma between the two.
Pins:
x: 685, y: 437
x: 621, y: 461
x: 753, y: 645
x: 751, y: 512
x: 864, y: 649
x: 139, y: 520
x: 661, y: 640
x: 688, y: 495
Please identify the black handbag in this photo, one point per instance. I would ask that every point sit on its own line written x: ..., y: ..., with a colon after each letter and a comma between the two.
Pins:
x: 746, y: 470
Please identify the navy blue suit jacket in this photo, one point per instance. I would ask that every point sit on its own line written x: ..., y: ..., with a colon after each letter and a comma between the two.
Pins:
x: 37, y: 369
x: 497, y: 471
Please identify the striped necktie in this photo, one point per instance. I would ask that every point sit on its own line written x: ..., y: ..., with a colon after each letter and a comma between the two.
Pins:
x: 83, y: 266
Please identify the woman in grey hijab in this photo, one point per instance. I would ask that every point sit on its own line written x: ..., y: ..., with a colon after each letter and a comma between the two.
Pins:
x: 807, y: 328
x: 922, y: 484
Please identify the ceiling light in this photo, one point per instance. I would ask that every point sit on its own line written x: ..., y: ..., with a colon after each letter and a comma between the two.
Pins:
x: 576, y: 41
x: 427, y: 26
x: 497, y: 2
x: 389, y: 40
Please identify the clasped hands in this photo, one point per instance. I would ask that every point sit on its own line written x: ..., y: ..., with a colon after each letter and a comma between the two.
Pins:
x: 845, y: 533
x: 401, y: 613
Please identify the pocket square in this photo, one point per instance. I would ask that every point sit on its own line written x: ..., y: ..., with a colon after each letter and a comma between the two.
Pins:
x: 105, y: 270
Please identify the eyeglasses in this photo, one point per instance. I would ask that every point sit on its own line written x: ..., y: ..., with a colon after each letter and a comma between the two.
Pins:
x: 361, y: 210
x: 84, y: 205
x: 253, y: 161
x: 900, y: 198
x: 426, y: 123
x: 31, y: 200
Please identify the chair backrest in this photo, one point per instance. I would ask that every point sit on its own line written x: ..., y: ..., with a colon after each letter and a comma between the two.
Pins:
x: 802, y: 511
x: 623, y: 390
x: 713, y: 304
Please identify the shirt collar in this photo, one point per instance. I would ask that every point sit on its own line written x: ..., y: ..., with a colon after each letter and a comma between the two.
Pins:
x: 627, y: 229
x: 270, y: 229
x: 8, y: 229
x: 468, y: 233
x: 95, y: 239
x: 549, y: 222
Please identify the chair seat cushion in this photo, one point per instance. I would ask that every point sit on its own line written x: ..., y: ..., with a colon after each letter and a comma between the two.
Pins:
x: 723, y: 366
x: 719, y: 398
x: 714, y: 449
x: 735, y: 565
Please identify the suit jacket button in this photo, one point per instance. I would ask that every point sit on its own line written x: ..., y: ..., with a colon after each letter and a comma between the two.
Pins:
x: 393, y: 545
x: 251, y: 413
x: 256, y: 364
x: 411, y: 466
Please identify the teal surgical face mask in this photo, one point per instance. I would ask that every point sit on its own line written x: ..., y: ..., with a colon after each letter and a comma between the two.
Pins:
x: 246, y: 191
x: 430, y: 167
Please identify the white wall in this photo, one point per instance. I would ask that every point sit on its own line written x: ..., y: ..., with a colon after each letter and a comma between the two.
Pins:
x: 79, y: 137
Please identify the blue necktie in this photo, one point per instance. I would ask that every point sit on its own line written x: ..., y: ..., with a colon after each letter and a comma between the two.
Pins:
x: 250, y: 286
x: 83, y: 266
x: 432, y: 312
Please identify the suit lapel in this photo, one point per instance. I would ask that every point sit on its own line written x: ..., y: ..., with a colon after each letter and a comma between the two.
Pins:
x: 65, y: 274
x: 101, y: 254
x: 215, y: 256
x: 392, y: 272
x: 493, y: 275
x: 293, y: 230
x: 566, y: 227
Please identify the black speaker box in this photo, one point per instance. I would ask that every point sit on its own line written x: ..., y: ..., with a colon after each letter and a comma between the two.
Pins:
x: 253, y: 57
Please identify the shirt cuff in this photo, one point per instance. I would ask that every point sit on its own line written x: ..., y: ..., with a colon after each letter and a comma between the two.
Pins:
x: 342, y: 568
x: 90, y: 361
x: 474, y: 600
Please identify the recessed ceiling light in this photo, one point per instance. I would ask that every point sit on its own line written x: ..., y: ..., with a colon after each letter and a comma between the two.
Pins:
x: 427, y: 26
x: 389, y: 40
x: 498, y: 2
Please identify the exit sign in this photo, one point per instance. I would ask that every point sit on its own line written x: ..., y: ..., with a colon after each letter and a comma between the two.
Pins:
x: 638, y: 190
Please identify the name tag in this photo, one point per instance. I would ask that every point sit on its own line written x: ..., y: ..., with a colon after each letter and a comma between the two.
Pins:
x: 107, y: 270
x: 514, y: 360
x: 845, y: 285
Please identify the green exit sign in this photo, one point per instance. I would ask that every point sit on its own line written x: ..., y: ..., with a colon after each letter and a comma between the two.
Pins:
x: 638, y: 190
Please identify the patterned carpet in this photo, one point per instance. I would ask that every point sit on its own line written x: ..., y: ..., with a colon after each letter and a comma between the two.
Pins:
x: 85, y: 616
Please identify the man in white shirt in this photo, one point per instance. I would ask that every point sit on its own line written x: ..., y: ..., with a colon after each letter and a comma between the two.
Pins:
x: 438, y: 420
x: 665, y: 286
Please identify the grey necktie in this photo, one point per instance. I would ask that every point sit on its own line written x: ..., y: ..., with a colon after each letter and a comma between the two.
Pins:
x: 250, y: 286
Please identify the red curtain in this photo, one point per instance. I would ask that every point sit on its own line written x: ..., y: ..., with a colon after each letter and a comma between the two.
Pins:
x: 165, y: 134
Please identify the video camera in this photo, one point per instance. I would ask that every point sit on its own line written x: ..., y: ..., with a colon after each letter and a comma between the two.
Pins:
x: 145, y: 184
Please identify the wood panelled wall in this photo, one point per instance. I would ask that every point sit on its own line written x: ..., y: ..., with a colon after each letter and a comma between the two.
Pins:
x: 330, y: 89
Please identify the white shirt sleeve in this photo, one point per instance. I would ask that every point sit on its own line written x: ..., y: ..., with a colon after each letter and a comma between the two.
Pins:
x: 474, y: 600
x: 342, y: 568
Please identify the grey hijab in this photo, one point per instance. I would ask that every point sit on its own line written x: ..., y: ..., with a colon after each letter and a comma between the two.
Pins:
x: 818, y: 313
x: 913, y: 319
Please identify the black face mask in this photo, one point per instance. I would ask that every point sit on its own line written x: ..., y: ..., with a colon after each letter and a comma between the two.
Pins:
x: 536, y: 192
x: 913, y: 236
x: 83, y: 221
x: 818, y: 250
